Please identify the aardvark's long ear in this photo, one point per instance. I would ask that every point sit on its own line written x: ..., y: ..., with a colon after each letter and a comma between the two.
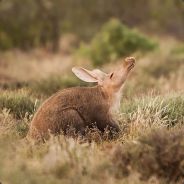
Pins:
x: 87, y: 75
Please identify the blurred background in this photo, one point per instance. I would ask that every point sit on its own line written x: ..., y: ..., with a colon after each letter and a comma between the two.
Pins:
x: 40, y: 40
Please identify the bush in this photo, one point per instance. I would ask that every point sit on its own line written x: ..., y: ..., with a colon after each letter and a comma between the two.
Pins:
x: 160, y: 154
x: 114, y: 41
x: 167, y: 110
x: 19, y: 103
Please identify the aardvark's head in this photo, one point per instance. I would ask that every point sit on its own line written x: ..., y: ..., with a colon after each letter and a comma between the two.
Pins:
x: 112, y: 81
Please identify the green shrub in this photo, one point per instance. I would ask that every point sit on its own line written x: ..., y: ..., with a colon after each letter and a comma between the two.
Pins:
x: 19, y: 103
x: 114, y: 41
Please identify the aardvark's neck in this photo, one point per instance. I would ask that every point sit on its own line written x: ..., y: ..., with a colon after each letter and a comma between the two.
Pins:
x: 113, y: 98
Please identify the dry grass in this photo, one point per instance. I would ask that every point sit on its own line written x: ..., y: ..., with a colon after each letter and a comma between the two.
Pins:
x: 159, y: 153
x: 18, y: 103
x: 146, y: 142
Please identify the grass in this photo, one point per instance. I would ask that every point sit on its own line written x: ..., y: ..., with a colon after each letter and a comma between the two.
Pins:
x: 168, y: 108
x: 160, y: 154
x: 146, y: 142
x: 19, y: 103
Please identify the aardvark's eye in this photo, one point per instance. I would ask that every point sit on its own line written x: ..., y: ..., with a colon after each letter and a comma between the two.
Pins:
x: 111, y: 75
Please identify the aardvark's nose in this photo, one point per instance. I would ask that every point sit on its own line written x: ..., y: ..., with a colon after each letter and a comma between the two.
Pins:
x: 130, y: 60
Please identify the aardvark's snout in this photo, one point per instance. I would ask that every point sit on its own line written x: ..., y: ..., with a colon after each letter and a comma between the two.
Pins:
x: 129, y: 62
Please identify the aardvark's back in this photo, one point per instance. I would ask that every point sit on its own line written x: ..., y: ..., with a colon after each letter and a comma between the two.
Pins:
x: 74, y: 107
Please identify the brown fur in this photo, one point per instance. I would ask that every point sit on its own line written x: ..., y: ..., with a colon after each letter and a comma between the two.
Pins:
x: 73, y: 107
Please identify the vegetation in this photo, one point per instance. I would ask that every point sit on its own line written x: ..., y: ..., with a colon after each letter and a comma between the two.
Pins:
x: 18, y: 103
x: 150, y: 147
x: 146, y: 142
x: 159, y: 154
x: 166, y: 110
x: 151, y: 138
x: 114, y: 41
x: 48, y: 20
